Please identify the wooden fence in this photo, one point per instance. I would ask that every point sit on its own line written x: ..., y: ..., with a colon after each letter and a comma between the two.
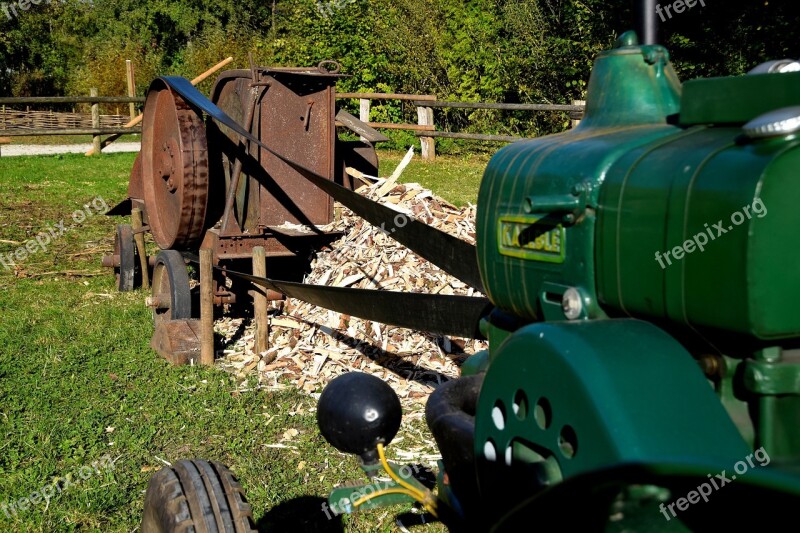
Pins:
x: 39, y: 123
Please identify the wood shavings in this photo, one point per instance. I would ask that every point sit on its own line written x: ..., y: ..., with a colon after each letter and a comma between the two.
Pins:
x: 313, y: 345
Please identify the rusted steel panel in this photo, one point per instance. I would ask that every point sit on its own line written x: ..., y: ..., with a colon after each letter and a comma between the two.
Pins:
x: 297, y: 120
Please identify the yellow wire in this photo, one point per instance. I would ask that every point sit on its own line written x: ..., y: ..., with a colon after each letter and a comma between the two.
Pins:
x: 362, y: 500
x: 426, y: 498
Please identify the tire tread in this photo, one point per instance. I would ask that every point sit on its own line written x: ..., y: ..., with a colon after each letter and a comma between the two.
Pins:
x: 196, y: 496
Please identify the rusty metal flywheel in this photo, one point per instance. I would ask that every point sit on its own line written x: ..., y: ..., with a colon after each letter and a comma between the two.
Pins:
x: 175, y: 171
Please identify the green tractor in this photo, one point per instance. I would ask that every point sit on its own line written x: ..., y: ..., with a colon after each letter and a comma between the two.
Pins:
x: 644, y: 370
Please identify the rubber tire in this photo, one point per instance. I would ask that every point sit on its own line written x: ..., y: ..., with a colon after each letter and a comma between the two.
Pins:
x: 180, y: 294
x: 125, y: 246
x: 196, y: 496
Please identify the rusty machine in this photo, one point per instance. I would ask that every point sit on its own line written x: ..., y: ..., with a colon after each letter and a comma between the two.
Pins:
x: 198, y: 185
x: 643, y: 370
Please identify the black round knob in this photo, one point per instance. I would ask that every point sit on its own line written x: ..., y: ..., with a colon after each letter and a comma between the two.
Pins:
x: 356, y: 411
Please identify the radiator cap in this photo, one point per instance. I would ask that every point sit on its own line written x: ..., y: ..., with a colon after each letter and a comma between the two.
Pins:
x: 777, y: 123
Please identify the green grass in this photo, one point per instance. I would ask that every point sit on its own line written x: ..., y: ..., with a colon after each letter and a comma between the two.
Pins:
x: 78, y: 380
x: 455, y: 179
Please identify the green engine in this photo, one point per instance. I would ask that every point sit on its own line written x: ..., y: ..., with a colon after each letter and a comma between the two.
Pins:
x: 667, y: 203
x: 643, y: 369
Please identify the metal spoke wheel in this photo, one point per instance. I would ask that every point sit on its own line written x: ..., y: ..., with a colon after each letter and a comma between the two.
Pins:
x: 126, y: 259
x: 174, y: 169
x: 171, y: 298
x: 198, y: 496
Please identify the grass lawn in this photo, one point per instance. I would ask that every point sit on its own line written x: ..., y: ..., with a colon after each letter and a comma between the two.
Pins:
x: 78, y: 382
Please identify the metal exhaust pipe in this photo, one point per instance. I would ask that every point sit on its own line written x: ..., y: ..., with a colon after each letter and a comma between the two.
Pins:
x: 646, y: 21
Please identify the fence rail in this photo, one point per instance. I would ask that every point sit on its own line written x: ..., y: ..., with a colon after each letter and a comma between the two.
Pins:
x: 41, y: 132
x: 503, y: 107
x: 38, y: 100
x: 425, y: 128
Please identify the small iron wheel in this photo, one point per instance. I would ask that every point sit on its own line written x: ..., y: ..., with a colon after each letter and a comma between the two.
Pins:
x: 196, y: 495
x: 126, y: 257
x: 171, y: 297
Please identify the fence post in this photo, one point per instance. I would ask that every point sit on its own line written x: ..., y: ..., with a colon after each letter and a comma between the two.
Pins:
x: 425, y: 116
x: 131, y: 86
x: 206, y: 307
x: 261, y: 317
x: 96, y: 147
x: 363, y: 111
x: 575, y: 122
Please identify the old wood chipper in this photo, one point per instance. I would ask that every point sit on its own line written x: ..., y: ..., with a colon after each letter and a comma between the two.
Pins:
x: 643, y: 369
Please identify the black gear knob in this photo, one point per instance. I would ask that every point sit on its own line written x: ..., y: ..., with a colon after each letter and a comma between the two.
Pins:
x: 356, y: 411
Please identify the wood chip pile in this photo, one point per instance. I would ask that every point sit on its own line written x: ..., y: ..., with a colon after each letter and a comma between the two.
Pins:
x: 311, y: 345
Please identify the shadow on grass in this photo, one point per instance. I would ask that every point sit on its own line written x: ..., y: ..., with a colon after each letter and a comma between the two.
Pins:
x: 305, y: 513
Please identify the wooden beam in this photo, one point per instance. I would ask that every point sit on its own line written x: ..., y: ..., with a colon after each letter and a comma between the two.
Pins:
x: 34, y: 132
x: 131, y: 86
x: 206, y: 308
x: 363, y: 113
x: 503, y: 107
x: 95, y: 123
x: 260, y: 302
x: 387, y: 96
x: 389, y: 126
x: 428, y: 144
x: 471, y: 136
x: 138, y: 237
x: 33, y: 100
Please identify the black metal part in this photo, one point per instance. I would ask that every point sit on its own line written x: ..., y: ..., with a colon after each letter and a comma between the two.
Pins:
x: 356, y: 411
x: 359, y: 155
x: 125, y: 250
x: 599, y: 490
x: 445, y: 251
x: 450, y: 414
x: 122, y: 209
x: 171, y: 287
x: 458, y: 316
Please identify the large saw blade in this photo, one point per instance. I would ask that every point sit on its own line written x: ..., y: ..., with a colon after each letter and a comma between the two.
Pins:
x: 458, y: 316
x: 452, y: 255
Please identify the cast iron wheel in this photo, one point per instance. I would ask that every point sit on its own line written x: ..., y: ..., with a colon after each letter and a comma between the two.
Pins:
x: 197, y: 496
x: 125, y: 252
x: 175, y: 175
x: 171, y: 297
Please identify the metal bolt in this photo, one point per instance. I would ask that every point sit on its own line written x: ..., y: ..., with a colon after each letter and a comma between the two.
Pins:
x: 710, y: 364
x: 156, y: 302
x: 572, y: 304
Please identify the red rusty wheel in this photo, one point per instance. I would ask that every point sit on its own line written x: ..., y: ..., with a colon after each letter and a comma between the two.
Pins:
x: 174, y: 169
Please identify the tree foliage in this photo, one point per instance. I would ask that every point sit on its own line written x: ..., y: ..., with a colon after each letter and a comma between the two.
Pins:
x: 466, y: 50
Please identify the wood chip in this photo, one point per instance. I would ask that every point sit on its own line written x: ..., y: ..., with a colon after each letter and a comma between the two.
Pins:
x: 313, y: 345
